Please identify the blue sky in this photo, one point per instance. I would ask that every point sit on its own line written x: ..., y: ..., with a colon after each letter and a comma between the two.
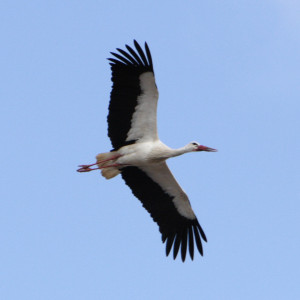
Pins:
x: 228, y: 76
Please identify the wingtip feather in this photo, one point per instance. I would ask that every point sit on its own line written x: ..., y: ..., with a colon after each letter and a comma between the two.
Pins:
x: 198, y: 240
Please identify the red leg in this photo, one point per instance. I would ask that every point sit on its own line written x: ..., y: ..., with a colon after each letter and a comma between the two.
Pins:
x: 99, y: 162
x: 87, y: 168
x: 112, y: 166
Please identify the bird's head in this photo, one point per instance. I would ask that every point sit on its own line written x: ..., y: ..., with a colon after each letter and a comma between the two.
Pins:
x: 197, y: 147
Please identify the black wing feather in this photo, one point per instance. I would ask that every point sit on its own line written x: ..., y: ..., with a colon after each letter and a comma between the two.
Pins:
x: 148, y: 54
x: 184, y: 244
x: 175, y: 228
x: 124, y: 53
x: 198, y: 240
x: 126, y: 70
x: 115, y: 61
x: 141, y: 52
x: 121, y: 58
x: 134, y: 54
x: 177, y: 245
x: 191, y: 242
x: 170, y: 241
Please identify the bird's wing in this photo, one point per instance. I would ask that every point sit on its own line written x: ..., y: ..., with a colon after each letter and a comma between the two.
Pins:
x: 168, y: 205
x: 133, y: 99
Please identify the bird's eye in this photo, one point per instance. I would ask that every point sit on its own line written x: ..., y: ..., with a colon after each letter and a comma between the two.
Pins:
x: 195, y: 144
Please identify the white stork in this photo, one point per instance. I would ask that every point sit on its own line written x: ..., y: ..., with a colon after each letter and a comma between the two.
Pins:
x: 140, y: 156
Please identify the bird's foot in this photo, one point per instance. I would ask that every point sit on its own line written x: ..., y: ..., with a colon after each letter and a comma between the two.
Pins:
x: 86, y: 168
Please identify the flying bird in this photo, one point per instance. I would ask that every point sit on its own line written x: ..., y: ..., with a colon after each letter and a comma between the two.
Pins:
x: 140, y: 157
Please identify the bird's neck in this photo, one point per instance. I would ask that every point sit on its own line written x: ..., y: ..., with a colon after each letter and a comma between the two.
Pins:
x: 180, y: 151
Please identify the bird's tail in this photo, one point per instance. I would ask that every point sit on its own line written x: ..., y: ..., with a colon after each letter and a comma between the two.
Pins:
x: 109, y: 173
x: 104, y: 160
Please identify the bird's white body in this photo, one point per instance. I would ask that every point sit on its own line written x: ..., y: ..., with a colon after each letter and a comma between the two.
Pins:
x: 148, y: 153
x: 140, y: 156
x: 143, y: 153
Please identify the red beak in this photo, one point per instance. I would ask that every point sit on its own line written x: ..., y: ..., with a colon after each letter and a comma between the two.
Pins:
x: 207, y: 149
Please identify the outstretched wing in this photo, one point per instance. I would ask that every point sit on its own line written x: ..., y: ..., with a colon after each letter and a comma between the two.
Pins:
x: 168, y: 205
x: 133, y: 99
